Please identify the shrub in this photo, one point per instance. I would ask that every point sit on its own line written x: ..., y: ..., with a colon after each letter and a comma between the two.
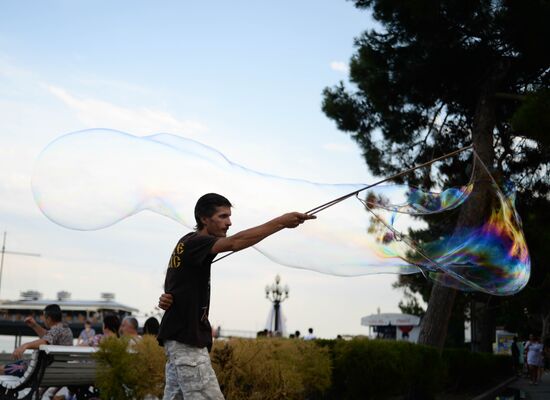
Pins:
x: 379, y: 369
x: 371, y: 369
x: 467, y: 370
x: 149, y: 365
x: 130, y: 374
x: 270, y: 369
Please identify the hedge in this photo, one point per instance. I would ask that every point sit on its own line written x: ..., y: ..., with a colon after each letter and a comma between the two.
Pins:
x: 468, y: 371
x: 271, y: 369
x: 373, y: 369
x: 275, y: 368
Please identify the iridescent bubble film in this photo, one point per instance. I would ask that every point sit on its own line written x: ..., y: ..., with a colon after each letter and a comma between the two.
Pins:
x: 92, y: 179
x: 491, y: 257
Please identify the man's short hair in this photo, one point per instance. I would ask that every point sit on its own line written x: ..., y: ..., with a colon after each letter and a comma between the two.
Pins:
x: 132, y: 321
x: 112, y: 322
x: 206, y: 207
x: 53, y: 311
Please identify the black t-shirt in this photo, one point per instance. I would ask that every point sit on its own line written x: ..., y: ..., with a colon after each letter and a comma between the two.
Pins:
x: 188, y: 280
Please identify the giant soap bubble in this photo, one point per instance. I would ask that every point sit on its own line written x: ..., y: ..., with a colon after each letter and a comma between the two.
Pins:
x: 94, y: 178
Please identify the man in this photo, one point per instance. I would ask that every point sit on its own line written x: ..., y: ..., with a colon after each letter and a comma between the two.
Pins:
x: 309, y: 335
x: 129, y: 327
x: 185, y: 330
x: 57, y: 334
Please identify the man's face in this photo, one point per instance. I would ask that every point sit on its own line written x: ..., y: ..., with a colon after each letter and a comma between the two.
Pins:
x: 218, y: 224
x: 126, y: 329
x: 47, y: 321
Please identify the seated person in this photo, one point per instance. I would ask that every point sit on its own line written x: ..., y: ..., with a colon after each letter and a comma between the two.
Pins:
x: 129, y: 327
x: 111, y: 326
x: 151, y: 326
x: 87, y: 334
x: 56, y: 334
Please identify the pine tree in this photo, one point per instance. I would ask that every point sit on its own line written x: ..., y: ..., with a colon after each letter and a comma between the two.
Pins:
x: 442, y: 74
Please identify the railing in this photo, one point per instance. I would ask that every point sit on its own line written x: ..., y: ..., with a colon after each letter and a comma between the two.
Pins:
x: 230, y: 333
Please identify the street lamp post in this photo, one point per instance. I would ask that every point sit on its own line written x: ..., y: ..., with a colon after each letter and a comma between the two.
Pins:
x: 276, y: 293
x: 4, y: 251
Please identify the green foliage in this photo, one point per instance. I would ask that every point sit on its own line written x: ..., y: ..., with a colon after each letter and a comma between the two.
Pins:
x: 468, y: 371
x: 532, y: 118
x: 130, y: 371
x: 374, y: 369
x: 380, y: 369
x: 149, y: 365
x: 270, y: 369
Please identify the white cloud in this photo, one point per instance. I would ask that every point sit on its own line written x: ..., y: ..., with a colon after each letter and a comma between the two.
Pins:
x: 118, y: 86
x: 9, y: 70
x: 339, y: 66
x: 100, y: 113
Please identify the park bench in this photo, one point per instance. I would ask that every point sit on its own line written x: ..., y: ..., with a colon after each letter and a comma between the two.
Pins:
x: 53, y: 366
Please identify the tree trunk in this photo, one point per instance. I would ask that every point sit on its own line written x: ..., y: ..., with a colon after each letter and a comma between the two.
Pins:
x: 455, y: 332
x: 434, y: 325
x: 483, y: 327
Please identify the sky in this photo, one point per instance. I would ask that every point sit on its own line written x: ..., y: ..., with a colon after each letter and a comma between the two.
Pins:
x: 243, y: 77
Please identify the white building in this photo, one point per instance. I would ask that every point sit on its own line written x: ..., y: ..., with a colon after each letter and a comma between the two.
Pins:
x: 393, y: 326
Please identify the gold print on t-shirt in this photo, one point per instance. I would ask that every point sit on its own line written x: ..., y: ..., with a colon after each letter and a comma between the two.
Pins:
x: 175, y: 261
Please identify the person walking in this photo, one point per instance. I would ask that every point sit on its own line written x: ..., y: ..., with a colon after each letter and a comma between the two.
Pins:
x: 534, y: 359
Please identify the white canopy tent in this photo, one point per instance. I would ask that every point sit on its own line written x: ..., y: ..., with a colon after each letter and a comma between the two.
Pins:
x: 393, y: 326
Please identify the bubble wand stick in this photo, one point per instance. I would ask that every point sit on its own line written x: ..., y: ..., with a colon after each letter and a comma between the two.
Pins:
x: 322, y: 207
x: 317, y: 209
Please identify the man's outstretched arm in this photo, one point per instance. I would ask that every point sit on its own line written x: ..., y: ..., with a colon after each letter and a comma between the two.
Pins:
x: 247, y: 238
x: 250, y: 237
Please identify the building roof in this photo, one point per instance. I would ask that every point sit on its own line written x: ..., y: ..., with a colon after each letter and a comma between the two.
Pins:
x: 66, y: 305
x: 390, y: 319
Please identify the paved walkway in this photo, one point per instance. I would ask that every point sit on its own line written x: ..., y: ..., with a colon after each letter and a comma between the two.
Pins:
x: 538, y: 392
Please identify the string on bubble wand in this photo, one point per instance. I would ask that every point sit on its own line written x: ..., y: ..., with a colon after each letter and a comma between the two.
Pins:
x: 324, y: 206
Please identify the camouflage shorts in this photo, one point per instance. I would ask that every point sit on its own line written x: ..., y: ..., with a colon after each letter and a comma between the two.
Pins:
x: 189, y: 373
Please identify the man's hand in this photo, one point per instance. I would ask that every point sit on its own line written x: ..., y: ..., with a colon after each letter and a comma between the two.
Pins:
x: 165, y: 301
x: 18, y: 352
x: 293, y: 219
x: 30, y: 321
